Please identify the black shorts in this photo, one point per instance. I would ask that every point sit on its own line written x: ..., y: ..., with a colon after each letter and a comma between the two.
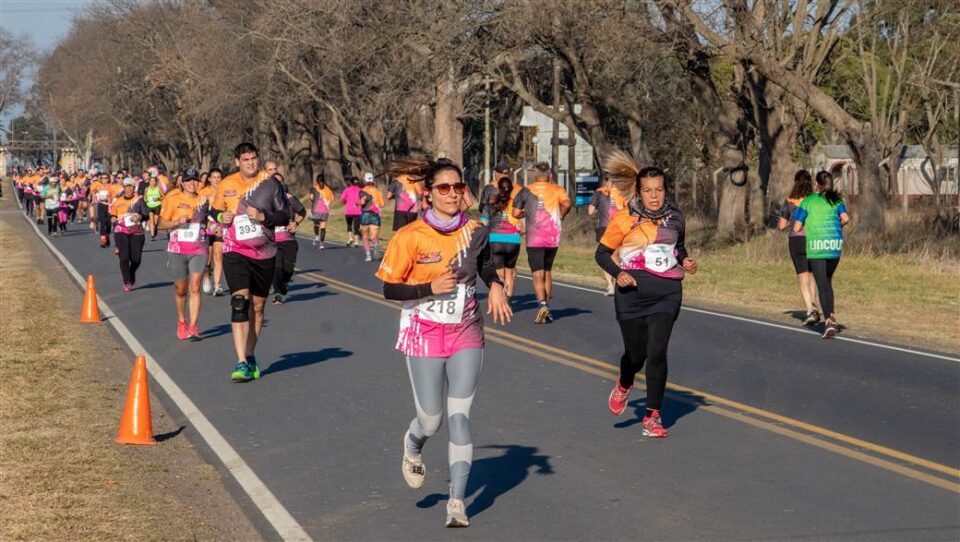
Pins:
x: 600, y: 232
x: 153, y: 210
x: 401, y: 219
x: 798, y: 253
x: 244, y: 273
x: 541, y: 259
x: 505, y: 254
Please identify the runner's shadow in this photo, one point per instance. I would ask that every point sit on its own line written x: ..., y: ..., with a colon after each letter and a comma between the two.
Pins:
x: 170, y: 435
x: 676, y: 405
x: 520, y: 303
x: 492, y: 477
x: 308, y: 296
x: 302, y: 359
x: 216, y: 331
x: 570, y: 311
x: 800, y: 315
x: 154, y: 285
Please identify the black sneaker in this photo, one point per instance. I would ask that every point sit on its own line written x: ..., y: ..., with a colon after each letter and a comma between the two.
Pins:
x: 278, y: 299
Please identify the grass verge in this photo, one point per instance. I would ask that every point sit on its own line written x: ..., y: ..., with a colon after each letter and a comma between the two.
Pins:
x: 61, y: 475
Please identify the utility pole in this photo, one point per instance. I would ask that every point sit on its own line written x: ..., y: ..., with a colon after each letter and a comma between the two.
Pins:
x: 486, y: 137
x: 555, y: 138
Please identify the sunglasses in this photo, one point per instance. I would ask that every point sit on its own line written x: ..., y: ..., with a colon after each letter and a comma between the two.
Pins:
x: 444, y: 189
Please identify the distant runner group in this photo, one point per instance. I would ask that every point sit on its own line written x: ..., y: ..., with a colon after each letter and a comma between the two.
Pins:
x: 242, y: 228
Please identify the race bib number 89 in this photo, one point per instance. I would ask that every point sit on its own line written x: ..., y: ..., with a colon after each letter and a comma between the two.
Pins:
x: 188, y: 233
x: 659, y: 257
x: 246, y: 229
x: 444, y: 309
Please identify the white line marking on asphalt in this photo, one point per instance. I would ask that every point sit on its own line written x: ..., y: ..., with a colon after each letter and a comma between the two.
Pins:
x: 779, y: 326
x: 262, y: 497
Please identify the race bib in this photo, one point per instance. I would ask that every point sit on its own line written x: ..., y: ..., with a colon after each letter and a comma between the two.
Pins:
x: 104, y: 195
x: 128, y: 220
x: 659, y: 257
x: 280, y: 229
x: 246, y: 228
x: 188, y: 233
x: 444, y: 309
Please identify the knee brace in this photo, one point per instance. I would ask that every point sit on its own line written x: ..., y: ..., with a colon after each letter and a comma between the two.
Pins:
x: 239, y: 309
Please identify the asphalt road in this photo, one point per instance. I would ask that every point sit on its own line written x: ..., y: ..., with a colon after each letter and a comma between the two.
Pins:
x: 773, y: 434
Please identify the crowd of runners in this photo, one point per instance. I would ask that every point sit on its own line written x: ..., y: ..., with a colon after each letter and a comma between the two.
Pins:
x: 242, y: 228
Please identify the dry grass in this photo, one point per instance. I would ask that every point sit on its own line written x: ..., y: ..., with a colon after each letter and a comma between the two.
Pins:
x: 63, y: 478
x: 899, y: 287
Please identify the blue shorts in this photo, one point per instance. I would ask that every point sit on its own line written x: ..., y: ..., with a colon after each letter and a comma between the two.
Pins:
x: 369, y: 219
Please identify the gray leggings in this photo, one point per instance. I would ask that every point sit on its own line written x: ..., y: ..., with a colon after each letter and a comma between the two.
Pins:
x: 461, y: 372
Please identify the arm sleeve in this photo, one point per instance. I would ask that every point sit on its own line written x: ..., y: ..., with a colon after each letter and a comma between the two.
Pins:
x: 270, y: 199
x: 406, y: 292
x: 520, y: 200
x: 487, y: 268
x: 681, y: 244
x: 604, y: 258
x: 297, y: 208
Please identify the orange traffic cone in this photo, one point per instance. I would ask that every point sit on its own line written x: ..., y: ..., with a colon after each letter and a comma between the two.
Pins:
x: 135, y: 424
x: 89, y: 312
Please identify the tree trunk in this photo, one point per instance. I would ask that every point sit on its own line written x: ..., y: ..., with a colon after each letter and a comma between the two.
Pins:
x: 638, y: 146
x: 448, y: 130
x: 732, y: 185
x: 872, y: 182
x: 420, y: 131
x: 332, y: 168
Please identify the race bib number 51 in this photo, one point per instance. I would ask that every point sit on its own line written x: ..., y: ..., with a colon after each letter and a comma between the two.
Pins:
x: 659, y: 257
x: 246, y: 228
x: 444, y: 309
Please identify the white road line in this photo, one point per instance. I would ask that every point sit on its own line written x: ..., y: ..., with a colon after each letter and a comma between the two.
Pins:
x: 262, y: 497
x: 753, y: 321
x: 779, y: 326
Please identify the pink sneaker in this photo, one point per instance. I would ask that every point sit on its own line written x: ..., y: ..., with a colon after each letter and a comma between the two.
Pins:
x: 183, y: 332
x: 127, y: 287
x: 653, y: 426
x: 617, y: 402
x: 194, y: 332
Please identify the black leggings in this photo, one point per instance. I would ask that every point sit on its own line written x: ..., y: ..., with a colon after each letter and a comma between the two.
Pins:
x: 131, y: 252
x: 286, y: 261
x: 823, y: 273
x: 645, y: 340
x: 53, y: 221
x: 103, y: 221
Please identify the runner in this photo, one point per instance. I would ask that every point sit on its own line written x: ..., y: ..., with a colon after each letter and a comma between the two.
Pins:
x: 544, y: 205
x: 491, y: 190
x: 605, y: 203
x: 128, y: 212
x: 406, y: 194
x: 287, y: 245
x: 824, y: 214
x: 214, y: 269
x: 184, y: 213
x: 797, y: 243
x: 350, y: 198
x: 432, y: 266
x: 153, y: 198
x: 321, y: 197
x: 249, y: 207
x: 504, y: 233
x: 371, y: 201
x: 51, y: 206
x: 103, y: 195
x: 647, y: 239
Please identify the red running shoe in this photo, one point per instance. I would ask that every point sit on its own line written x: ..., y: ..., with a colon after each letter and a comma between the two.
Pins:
x: 183, y: 332
x: 194, y: 332
x: 617, y: 402
x: 653, y: 426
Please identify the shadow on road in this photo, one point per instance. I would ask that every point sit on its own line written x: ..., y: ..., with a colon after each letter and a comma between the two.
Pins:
x: 520, y: 303
x: 167, y: 436
x: 494, y: 476
x: 154, y: 285
x: 216, y: 331
x: 302, y: 359
x: 676, y: 405
x: 799, y: 315
x: 308, y: 296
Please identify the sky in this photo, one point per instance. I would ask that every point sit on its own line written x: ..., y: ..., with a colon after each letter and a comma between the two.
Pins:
x: 45, y: 21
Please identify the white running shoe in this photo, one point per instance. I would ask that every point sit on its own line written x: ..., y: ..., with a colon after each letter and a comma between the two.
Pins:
x: 413, y: 470
x: 207, y: 284
x: 368, y: 258
x: 457, y: 514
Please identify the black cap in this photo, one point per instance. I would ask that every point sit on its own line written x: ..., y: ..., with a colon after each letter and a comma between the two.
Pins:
x: 191, y: 175
x: 502, y: 167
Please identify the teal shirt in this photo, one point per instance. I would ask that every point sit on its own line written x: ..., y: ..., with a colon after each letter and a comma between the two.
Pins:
x: 822, y: 222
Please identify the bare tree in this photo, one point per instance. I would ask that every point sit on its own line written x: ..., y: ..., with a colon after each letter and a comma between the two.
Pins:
x: 16, y: 55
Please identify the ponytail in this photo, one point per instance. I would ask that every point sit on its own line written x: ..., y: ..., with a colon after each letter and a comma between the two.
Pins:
x: 825, y: 180
x: 421, y: 169
x: 505, y: 188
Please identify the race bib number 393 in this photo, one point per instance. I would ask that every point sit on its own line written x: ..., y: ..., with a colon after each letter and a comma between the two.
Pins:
x: 444, y: 309
x: 246, y: 229
x: 659, y: 257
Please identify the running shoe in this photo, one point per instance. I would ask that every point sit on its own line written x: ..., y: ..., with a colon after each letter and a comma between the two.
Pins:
x: 349, y: 243
x: 127, y: 287
x: 830, y: 331
x: 241, y: 372
x: 653, y: 425
x: 414, y: 472
x: 542, y: 313
x: 548, y: 317
x: 812, y: 318
x: 253, y: 367
x: 207, y: 285
x: 368, y: 258
x: 116, y: 252
x: 218, y: 292
x: 183, y: 331
x: 321, y: 246
x: 278, y: 299
x: 457, y: 514
x: 194, y: 332
x: 617, y: 402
